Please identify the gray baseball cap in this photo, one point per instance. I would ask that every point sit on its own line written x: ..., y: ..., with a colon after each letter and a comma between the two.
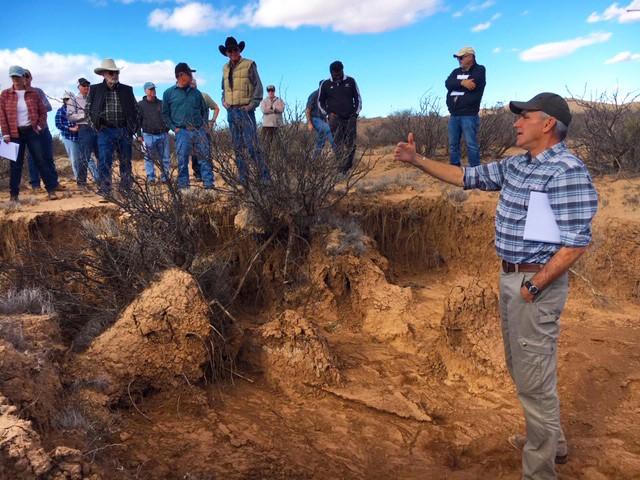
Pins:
x: 16, y: 71
x: 547, y: 102
x: 149, y: 85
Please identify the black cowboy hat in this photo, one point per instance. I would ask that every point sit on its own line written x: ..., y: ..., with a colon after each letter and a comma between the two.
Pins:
x: 230, y: 42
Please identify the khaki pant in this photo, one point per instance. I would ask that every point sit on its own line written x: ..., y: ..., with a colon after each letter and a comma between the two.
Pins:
x: 530, y: 334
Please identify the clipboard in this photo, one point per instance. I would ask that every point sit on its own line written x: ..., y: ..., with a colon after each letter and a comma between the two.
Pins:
x: 9, y: 150
x: 540, y: 225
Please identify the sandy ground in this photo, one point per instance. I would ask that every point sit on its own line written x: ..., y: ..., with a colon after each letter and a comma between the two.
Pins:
x: 421, y: 405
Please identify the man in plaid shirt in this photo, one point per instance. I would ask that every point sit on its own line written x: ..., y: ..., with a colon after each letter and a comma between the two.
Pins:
x: 533, y: 280
x: 69, y: 133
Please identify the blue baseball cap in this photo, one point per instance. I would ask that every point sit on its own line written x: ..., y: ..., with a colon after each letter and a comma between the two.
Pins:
x: 16, y: 71
x: 149, y: 85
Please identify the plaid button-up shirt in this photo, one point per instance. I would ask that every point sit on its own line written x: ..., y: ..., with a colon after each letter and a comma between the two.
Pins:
x: 63, y: 124
x: 556, y: 172
x: 9, y: 111
x: 112, y: 112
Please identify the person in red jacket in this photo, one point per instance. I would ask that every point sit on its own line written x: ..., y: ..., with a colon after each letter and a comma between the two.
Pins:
x: 23, y: 118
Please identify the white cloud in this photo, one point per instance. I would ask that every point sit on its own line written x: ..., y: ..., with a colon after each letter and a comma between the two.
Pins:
x: 481, y: 26
x: 486, y: 25
x: 474, y: 7
x: 497, y: 50
x: 56, y: 72
x: 357, y: 16
x: 615, y: 12
x: 547, y: 51
x: 194, y: 18
x: 623, y: 57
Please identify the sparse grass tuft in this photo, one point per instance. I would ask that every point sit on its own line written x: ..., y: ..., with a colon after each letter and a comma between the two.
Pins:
x: 29, y: 300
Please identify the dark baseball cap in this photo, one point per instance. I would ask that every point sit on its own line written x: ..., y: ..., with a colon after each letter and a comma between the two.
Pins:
x: 549, y: 103
x: 83, y: 82
x: 183, y: 68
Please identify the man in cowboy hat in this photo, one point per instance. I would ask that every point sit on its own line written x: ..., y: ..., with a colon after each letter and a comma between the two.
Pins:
x: 465, y: 86
x: 185, y: 112
x: 534, y: 274
x: 241, y: 95
x: 113, y: 112
x: 87, y: 137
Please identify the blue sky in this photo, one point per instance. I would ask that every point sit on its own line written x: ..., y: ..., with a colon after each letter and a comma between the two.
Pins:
x: 396, y: 50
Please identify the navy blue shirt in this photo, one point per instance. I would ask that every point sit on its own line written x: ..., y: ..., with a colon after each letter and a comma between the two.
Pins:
x: 312, y: 104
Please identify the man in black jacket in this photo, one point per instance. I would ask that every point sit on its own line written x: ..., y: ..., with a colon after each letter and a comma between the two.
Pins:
x: 113, y: 112
x: 465, y: 87
x: 155, y: 136
x: 339, y: 98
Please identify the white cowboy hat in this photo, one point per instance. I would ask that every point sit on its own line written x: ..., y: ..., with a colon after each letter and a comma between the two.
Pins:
x: 107, y: 65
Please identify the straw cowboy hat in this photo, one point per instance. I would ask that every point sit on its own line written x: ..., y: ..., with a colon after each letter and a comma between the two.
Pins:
x: 107, y: 65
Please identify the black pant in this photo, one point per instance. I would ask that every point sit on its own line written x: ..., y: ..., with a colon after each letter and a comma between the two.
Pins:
x: 344, y: 132
x: 28, y: 138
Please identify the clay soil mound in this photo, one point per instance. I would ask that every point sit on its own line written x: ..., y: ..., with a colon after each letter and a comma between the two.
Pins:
x: 294, y: 352
x: 159, y: 340
x: 29, y: 370
x: 471, y: 324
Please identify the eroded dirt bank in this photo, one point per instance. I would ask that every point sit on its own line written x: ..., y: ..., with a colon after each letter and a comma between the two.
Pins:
x: 391, y: 368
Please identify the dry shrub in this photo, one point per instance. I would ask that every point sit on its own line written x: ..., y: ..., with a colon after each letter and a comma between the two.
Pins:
x: 496, y: 133
x: 426, y: 122
x: 608, y: 131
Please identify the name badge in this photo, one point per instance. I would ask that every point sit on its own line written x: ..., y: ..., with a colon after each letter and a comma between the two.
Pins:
x: 456, y: 94
x: 463, y: 77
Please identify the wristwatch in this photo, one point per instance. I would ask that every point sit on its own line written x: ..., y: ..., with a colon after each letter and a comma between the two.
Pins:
x: 533, y: 290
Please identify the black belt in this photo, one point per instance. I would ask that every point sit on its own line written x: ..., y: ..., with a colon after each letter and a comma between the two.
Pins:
x: 521, y: 267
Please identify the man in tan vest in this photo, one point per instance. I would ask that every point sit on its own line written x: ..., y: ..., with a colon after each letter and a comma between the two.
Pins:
x: 241, y: 95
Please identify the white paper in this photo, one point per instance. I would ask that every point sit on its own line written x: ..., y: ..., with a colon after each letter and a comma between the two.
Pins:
x: 9, y: 150
x: 462, y: 77
x: 541, y: 225
x: 456, y: 94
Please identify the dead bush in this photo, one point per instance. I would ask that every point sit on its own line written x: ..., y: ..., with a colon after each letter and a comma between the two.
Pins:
x: 28, y: 300
x: 496, y: 133
x: 426, y: 122
x: 608, y: 132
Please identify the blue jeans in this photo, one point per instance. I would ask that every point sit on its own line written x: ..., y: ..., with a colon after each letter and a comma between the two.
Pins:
x: 244, y: 137
x: 323, y: 133
x: 47, y: 151
x: 194, y: 142
x: 466, y: 125
x: 73, y: 152
x: 111, y: 140
x: 87, y: 145
x: 156, y: 153
x: 28, y: 138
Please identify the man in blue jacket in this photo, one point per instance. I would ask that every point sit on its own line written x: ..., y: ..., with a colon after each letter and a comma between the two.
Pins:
x: 465, y: 86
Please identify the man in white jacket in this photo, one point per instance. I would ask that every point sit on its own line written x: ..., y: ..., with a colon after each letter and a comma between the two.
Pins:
x: 272, y: 108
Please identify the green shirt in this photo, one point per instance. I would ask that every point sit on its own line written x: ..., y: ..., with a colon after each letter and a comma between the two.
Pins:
x: 184, y: 107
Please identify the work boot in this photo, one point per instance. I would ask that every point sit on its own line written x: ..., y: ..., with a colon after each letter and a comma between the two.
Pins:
x: 52, y: 195
x: 14, y: 198
x: 517, y: 441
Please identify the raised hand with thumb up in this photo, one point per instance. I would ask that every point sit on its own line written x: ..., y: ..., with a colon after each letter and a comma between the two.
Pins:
x: 406, y: 151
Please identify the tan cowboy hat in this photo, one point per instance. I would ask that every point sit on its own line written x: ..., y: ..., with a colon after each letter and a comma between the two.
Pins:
x: 108, y: 65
